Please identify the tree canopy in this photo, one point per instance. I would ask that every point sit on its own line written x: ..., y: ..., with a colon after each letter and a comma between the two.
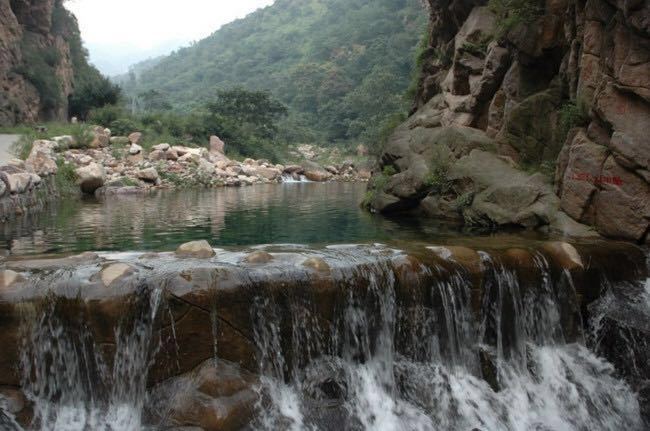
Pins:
x: 340, y: 66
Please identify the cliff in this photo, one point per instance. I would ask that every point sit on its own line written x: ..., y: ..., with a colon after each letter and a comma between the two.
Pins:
x: 527, y: 112
x: 41, y: 58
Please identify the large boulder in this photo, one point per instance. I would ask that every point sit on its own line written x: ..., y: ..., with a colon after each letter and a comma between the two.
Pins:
x: 16, y: 180
x: 91, y: 177
x: 217, y: 146
x: 315, y: 172
x: 41, y: 158
x: 218, y: 395
x: 454, y: 174
x: 149, y: 175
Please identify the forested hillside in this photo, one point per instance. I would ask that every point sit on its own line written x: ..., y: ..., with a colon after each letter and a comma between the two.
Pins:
x: 341, y: 66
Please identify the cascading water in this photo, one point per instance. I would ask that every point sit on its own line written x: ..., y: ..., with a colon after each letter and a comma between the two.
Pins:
x: 67, y: 379
x: 373, y: 340
x: 395, y: 365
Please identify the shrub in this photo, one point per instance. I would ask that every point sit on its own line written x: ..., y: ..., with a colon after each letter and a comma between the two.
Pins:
x: 512, y: 13
x: 82, y: 135
x: 65, y: 178
x: 572, y: 114
x: 389, y: 171
x: 106, y: 115
x: 123, y: 126
x: 438, y: 178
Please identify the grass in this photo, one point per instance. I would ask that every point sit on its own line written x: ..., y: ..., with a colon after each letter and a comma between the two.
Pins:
x: 81, y: 134
x: 513, y: 13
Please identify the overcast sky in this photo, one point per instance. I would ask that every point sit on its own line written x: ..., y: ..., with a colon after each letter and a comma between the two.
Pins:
x: 119, y: 33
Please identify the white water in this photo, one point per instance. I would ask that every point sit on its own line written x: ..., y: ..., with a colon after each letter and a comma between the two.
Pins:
x: 425, y: 375
x: 69, y: 379
x: 544, y: 382
x: 289, y: 179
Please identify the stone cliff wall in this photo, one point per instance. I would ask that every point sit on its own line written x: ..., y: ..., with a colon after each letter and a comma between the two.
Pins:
x: 36, y: 71
x: 560, y: 87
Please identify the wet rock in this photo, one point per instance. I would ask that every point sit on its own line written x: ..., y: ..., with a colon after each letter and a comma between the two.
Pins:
x: 564, y: 254
x: 258, y: 257
x: 218, y: 395
x: 8, y: 278
x: 317, y: 264
x: 114, y: 272
x: 199, y: 249
x: 466, y: 257
x: 91, y: 177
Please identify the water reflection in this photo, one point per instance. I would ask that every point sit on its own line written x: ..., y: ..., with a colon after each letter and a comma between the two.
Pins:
x: 288, y: 213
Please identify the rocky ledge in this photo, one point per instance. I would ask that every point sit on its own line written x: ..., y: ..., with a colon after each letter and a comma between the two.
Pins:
x: 202, y: 307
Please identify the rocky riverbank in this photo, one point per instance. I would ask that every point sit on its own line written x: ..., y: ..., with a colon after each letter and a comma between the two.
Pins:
x: 114, y: 165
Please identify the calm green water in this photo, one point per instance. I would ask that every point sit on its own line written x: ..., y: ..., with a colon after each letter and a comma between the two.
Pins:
x: 302, y: 213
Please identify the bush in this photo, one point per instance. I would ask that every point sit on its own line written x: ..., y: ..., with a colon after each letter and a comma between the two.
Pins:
x: 572, y: 114
x: 105, y: 115
x: 513, y: 13
x: 82, y: 135
x: 123, y: 126
x: 66, y: 178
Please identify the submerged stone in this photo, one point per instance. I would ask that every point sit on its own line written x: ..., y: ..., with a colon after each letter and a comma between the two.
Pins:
x: 317, y: 264
x: 114, y: 272
x: 258, y: 257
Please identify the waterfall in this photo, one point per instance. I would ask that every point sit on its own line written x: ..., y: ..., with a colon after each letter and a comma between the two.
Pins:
x: 402, y: 366
x: 66, y: 376
x: 291, y: 178
x: 369, y: 338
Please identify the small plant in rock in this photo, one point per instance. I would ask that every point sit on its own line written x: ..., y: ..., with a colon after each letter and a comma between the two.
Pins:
x: 438, y: 178
x: 573, y: 114
x: 513, y: 13
x: 65, y: 178
x: 389, y: 171
x: 464, y: 201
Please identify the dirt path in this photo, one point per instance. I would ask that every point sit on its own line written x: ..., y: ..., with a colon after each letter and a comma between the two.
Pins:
x: 5, y: 145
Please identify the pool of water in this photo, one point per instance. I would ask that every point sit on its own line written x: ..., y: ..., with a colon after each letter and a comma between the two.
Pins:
x: 301, y: 213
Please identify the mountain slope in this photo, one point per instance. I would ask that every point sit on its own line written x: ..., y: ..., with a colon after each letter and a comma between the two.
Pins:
x: 342, y: 66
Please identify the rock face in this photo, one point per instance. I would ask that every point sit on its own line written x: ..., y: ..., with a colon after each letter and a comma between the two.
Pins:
x: 28, y: 29
x: 564, y: 91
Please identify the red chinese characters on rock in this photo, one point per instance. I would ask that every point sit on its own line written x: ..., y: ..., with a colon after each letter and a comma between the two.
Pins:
x: 601, y: 179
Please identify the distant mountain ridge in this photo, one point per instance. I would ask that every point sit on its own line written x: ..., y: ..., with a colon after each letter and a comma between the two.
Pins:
x: 342, y: 66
